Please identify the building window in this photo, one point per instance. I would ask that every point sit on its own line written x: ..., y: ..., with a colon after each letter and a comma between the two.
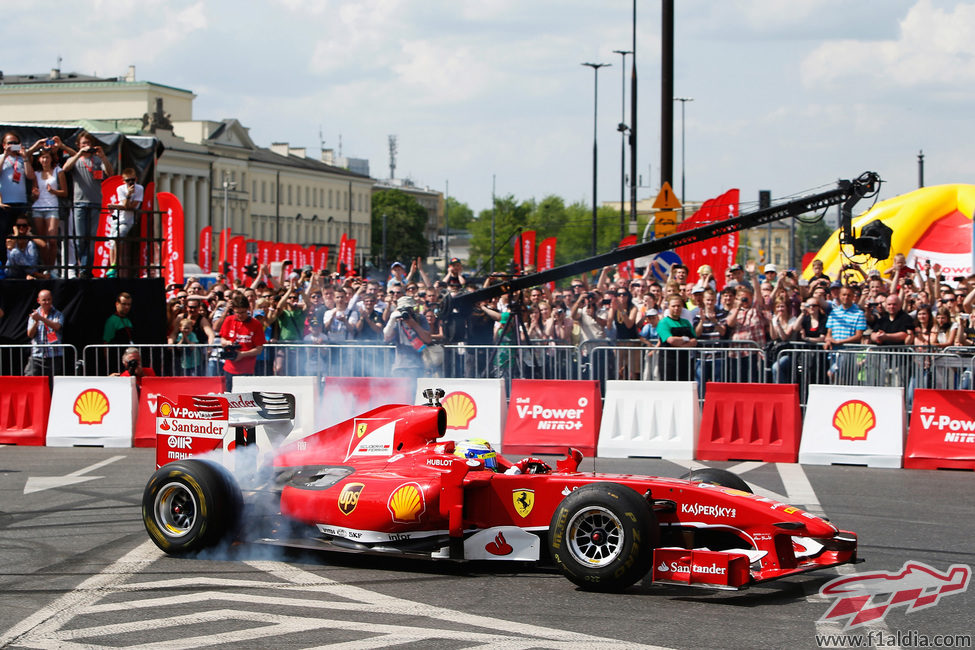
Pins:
x: 263, y: 191
x: 330, y: 199
x: 254, y: 189
x: 289, y: 195
x: 298, y: 197
x: 307, y: 202
x: 321, y: 198
x: 274, y: 189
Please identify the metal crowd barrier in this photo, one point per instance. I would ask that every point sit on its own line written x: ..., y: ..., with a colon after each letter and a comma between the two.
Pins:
x: 282, y: 359
x: 539, y: 360
x: 50, y: 360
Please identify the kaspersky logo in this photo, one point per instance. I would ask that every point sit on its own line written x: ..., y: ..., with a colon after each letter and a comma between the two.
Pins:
x: 91, y: 406
x: 460, y: 408
x: 854, y: 420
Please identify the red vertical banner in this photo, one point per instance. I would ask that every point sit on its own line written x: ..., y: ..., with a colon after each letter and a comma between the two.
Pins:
x: 719, y: 252
x: 205, y: 254
x: 264, y: 249
x: 340, y: 259
x: 350, y: 257
x: 236, y: 255
x: 321, y: 258
x: 528, y: 247
x: 516, y: 253
x: 296, y: 254
x: 627, y: 268
x: 172, y: 233
x: 145, y: 219
x: 546, y: 257
x: 100, y: 259
x: 310, y: 255
x: 279, y: 253
x: 223, y: 253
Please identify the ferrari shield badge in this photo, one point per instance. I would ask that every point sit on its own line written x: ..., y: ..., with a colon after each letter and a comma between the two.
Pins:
x: 360, y: 429
x: 524, y: 501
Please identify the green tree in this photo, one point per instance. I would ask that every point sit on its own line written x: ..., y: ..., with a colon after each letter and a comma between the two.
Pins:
x: 459, y: 215
x: 810, y: 237
x: 406, y: 222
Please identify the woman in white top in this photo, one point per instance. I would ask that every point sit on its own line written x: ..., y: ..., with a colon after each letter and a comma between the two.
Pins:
x: 49, y: 187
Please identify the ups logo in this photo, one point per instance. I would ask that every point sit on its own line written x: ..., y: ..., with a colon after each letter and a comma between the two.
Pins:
x: 349, y: 497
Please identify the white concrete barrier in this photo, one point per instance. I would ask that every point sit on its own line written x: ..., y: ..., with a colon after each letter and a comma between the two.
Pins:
x: 92, y: 411
x: 307, y: 394
x: 649, y: 418
x: 853, y: 425
x: 475, y: 407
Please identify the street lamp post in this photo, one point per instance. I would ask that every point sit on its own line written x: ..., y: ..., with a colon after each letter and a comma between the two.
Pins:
x: 622, y: 128
x: 683, y: 102
x: 595, y: 105
x: 227, y: 186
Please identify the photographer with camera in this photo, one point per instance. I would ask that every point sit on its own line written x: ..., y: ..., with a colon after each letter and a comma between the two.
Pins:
x: 89, y: 166
x: 410, y: 332
x: 241, y: 340
x: 132, y: 362
x: 15, y: 170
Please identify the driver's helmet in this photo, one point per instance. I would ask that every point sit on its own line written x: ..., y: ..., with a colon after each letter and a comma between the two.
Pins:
x: 478, y: 448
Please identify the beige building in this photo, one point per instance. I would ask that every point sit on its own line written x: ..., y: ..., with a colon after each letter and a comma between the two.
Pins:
x: 218, y: 173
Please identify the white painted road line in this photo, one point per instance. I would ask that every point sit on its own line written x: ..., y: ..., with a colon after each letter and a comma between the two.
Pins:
x: 40, y: 483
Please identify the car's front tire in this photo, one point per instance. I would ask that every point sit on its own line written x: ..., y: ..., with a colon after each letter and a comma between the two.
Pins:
x: 190, y: 505
x: 716, y: 476
x: 602, y: 536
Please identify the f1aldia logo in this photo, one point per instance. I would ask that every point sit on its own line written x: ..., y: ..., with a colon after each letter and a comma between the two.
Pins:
x: 862, y: 598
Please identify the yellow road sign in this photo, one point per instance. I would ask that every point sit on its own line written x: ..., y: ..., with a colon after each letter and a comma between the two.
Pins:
x: 666, y: 200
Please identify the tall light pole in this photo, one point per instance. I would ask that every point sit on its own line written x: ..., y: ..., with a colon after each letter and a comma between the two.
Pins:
x: 622, y: 128
x: 595, y: 105
x: 227, y: 186
x: 683, y: 102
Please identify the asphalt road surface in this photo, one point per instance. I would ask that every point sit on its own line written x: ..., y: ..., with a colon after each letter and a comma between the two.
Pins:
x: 77, y: 570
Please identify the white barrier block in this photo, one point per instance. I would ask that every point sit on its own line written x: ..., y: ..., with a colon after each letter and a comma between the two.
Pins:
x: 92, y: 411
x: 305, y: 390
x: 476, y: 408
x: 854, y: 425
x: 649, y: 418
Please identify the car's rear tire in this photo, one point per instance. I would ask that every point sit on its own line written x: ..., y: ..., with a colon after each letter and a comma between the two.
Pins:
x: 190, y: 505
x: 602, y: 536
x: 716, y: 476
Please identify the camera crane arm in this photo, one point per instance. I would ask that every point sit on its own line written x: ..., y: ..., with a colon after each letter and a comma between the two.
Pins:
x: 847, y: 193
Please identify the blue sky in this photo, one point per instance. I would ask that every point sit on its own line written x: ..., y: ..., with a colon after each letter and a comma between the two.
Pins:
x: 789, y: 95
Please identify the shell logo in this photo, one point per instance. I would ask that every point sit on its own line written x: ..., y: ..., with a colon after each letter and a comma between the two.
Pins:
x: 406, y: 504
x: 165, y: 409
x: 91, y: 406
x: 460, y: 408
x: 854, y: 419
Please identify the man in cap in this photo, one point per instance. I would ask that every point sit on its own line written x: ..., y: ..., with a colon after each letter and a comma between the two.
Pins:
x: 455, y: 273
x: 771, y: 272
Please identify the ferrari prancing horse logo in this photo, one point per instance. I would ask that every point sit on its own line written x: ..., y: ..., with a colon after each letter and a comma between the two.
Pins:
x: 524, y: 501
x: 360, y: 429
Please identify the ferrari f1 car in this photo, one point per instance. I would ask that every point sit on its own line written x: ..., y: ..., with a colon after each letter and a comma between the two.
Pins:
x: 386, y: 482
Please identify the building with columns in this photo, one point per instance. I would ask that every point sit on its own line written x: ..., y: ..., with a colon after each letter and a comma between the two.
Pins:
x: 218, y: 173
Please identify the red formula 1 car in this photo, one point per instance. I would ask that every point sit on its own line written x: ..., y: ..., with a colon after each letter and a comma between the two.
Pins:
x: 385, y: 482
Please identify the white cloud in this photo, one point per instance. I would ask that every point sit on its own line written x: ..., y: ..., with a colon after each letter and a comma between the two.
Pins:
x: 934, y: 47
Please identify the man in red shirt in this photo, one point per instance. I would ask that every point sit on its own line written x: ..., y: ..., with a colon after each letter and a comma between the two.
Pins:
x: 242, y: 339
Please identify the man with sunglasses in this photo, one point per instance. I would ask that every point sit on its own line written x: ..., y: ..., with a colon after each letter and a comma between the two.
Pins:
x: 124, y: 203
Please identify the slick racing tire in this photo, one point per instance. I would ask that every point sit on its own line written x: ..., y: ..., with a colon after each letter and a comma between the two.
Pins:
x: 716, y: 476
x: 602, y: 537
x: 190, y: 505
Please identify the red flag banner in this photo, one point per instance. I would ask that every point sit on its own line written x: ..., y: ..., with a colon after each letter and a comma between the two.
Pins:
x: 340, y: 259
x: 516, y: 253
x: 236, y: 256
x: 279, y: 253
x: 717, y: 252
x: 205, y: 254
x: 321, y: 258
x: 627, y: 268
x: 350, y: 257
x: 264, y: 249
x: 101, y: 259
x: 222, y: 254
x: 172, y: 233
x: 546, y: 257
x: 528, y: 247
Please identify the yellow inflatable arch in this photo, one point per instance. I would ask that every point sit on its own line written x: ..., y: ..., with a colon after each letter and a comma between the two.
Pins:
x: 908, y: 215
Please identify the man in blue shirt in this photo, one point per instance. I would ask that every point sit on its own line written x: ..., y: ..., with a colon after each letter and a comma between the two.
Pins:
x: 846, y: 324
x: 44, y: 329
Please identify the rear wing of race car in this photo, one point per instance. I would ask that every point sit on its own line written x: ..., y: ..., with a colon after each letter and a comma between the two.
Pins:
x: 197, y: 424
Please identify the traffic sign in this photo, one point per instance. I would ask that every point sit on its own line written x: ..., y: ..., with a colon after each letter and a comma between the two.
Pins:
x: 666, y: 200
x: 664, y: 223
